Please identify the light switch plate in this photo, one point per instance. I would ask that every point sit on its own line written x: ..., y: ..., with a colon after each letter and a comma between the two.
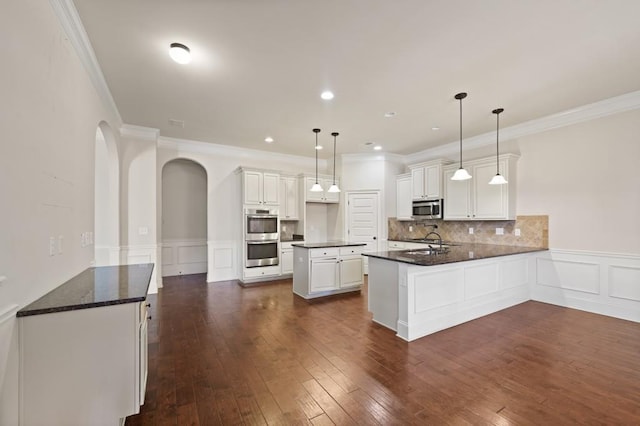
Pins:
x: 517, y: 232
x: 499, y: 231
x: 470, y: 231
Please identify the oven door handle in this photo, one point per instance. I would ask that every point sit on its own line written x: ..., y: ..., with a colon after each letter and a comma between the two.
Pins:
x: 262, y: 216
x: 262, y: 242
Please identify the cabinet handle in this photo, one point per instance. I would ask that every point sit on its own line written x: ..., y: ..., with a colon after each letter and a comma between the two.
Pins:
x: 149, y: 317
x: 148, y: 305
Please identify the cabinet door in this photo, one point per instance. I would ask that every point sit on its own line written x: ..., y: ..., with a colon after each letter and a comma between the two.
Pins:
x: 417, y: 183
x: 457, y: 201
x: 490, y: 201
x: 289, y: 194
x: 252, y: 187
x: 330, y: 197
x: 286, y: 260
x: 271, y: 182
x: 403, y: 198
x: 313, y: 196
x: 351, y: 271
x: 324, y: 274
x: 433, y: 187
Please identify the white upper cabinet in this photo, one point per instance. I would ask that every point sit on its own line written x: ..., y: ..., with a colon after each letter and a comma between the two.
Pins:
x: 289, y: 194
x: 475, y: 199
x: 426, y: 180
x: 403, y: 196
x: 260, y: 188
x: 322, y: 196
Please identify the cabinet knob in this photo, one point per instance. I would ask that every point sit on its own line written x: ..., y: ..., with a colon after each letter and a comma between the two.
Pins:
x: 149, y: 317
x: 148, y: 305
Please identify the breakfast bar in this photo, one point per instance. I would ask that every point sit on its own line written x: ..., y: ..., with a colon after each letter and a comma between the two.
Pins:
x: 421, y: 291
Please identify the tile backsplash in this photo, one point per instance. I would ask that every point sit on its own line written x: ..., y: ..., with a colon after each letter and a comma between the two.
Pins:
x: 534, y: 231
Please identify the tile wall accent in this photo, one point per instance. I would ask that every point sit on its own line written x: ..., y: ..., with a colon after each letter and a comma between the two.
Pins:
x: 534, y: 231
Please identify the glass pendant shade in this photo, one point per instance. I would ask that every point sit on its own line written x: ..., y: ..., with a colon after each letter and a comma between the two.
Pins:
x: 461, y: 173
x: 180, y: 53
x: 334, y: 188
x: 498, y: 179
x: 316, y: 187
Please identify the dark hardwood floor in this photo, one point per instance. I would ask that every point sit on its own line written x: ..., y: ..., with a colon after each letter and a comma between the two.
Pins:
x: 221, y: 354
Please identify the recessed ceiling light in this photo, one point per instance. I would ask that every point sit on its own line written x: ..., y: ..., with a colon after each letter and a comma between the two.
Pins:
x: 326, y: 95
x: 318, y: 147
x: 435, y: 128
x: 389, y: 114
x: 377, y: 147
x: 268, y: 139
x: 180, y: 53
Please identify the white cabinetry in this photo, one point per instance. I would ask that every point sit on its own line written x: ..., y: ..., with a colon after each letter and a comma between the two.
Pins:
x: 85, y: 366
x: 403, y: 197
x: 475, y: 199
x: 322, y: 196
x: 289, y: 198
x: 325, y: 271
x: 260, y: 188
x: 426, y: 180
x: 286, y: 257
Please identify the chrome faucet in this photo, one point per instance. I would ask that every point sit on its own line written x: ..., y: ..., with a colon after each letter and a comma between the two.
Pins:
x: 437, y: 235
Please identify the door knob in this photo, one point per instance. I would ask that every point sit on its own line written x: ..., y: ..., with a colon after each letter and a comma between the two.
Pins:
x: 375, y: 238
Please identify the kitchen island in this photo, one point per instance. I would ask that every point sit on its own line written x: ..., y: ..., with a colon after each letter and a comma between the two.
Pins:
x: 323, y: 269
x: 416, y: 294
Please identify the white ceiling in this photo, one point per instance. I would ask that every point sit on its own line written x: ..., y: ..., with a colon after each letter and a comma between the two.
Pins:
x: 259, y: 66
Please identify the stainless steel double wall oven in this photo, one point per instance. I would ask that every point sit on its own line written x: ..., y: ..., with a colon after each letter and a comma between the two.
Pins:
x: 261, y: 237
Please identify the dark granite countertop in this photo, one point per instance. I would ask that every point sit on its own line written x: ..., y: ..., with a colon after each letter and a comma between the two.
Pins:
x: 328, y: 244
x: 94, y: 287
x: 459, y: 252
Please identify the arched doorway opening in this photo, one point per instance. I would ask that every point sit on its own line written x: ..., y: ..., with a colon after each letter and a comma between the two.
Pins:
x: 184, y: 218
x: 106, y: 238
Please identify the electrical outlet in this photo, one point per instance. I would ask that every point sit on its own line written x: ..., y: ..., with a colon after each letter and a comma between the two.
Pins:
x: 499, y: 231
x: 517, y: 232
x: 52, y: 246
x: 410, y: 228
x: 470, y: 231
x: 60, y: 241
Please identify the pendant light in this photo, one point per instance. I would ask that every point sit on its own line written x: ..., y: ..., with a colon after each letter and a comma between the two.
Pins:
x: 316, y: 186
x: 498, y: 179
x: 461, y: 173
x: 334, y: 187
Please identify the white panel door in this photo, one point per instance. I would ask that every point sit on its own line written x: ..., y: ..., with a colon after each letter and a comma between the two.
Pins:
x: 363, y: 212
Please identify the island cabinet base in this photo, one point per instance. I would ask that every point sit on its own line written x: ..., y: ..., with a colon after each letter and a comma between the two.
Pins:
x: 416, y: 301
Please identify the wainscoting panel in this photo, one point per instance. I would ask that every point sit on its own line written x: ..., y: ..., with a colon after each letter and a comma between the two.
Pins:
x: 602, y: 283
x: 182, y: 257
x: 131, y: 255
x: 514, y: 273
x: 222, y: 257
x: 480, y: 280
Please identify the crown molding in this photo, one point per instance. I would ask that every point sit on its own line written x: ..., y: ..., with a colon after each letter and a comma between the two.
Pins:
x: 68, y: 16
x: 616, y: 105
x: 139, y: 132
x: 191, y: 146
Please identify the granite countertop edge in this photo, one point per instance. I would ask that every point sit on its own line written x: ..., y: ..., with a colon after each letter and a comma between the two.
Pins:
x: 328, y: 244
x: 53, y: 302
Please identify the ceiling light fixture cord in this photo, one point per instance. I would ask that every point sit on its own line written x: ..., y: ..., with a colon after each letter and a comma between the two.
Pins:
x: 461, y: 173
x: 497, y: 113
x: 316, y: 131
x: 460, y: 97
x: 334, y: 134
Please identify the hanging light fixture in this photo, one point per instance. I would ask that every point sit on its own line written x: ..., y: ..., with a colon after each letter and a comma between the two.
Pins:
x: 316, y: 186
x: 461, y: 173
x: 498, y: 179
x: 180, y: 53
x: 334, y: 187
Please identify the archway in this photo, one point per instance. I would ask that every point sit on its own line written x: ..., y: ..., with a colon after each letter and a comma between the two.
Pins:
x: 106, y: 237
x: 184, y: 218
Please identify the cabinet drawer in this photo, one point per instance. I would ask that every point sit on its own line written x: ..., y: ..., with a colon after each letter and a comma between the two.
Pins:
x: 262, y: 271
x: 395, y: 245
x: 333, y: 251
x: 346, y: 251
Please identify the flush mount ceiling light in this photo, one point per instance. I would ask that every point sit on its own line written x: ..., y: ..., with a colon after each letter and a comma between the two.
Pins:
x: 180, y: 53
x: 377, y: 147
x: 498, y: 179
x: 268, y: 139
x: 334, y: 187
x: 316, y: 186
x: 327, y: 95
x: 461, y: 173
x: 389, y: 114
x: 435, y: 128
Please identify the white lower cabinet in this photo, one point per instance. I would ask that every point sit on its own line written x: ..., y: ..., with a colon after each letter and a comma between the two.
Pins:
x: 83, y: 367
x: 325, y: 271
x: 286, y: 261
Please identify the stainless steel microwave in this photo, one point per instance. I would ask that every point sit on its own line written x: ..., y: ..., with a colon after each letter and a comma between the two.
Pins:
x: 427, y: 209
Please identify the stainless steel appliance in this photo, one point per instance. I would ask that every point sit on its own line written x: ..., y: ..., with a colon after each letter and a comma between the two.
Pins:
x: 261, y: 224
x: 261, y: 253
x: 261, y: 237
x: 427, y: 209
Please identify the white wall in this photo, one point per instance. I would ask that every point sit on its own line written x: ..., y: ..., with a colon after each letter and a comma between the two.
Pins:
x: 48, y: 119
x: 585, y: 177
x: 184, y: 201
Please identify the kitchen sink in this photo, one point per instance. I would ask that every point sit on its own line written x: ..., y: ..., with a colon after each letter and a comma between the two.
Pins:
x: 429, y: 251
